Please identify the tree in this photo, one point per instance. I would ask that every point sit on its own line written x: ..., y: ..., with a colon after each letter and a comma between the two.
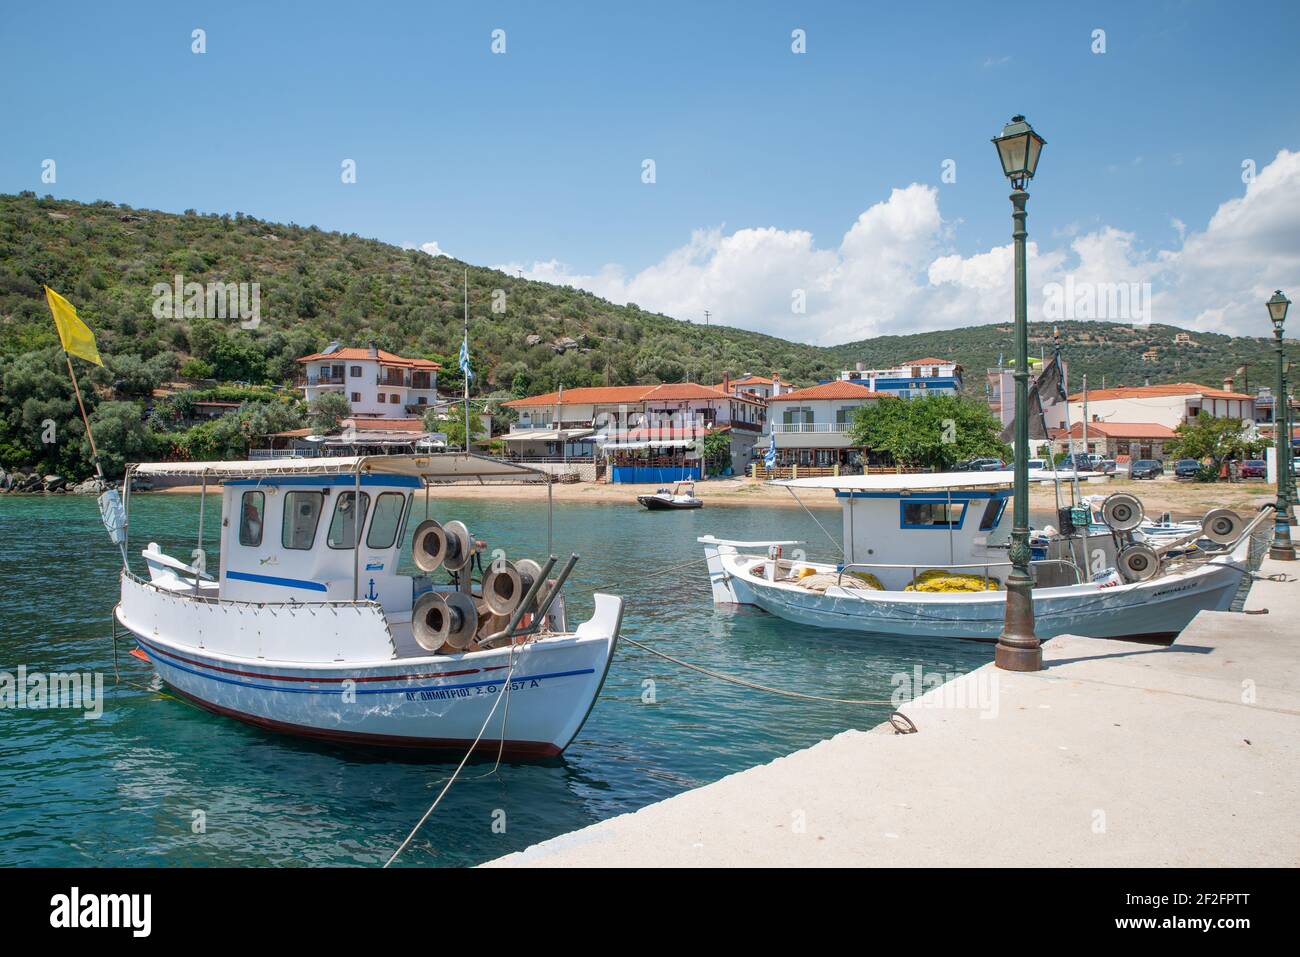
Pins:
x: 1217, y: 439
x: 328, y: 411
x: 453, y: 424
x: 934, y: 432
x: 120, y: 436
x: 717, y: 452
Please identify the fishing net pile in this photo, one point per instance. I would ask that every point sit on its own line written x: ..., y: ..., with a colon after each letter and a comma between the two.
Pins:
x: 938, y: 580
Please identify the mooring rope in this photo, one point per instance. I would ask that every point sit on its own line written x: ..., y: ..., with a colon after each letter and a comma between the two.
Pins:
x: 455, y: 774
x: 743, y: 682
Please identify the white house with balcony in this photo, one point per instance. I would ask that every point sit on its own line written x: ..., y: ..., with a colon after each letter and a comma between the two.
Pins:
x: 812, y: 425
x: 376, y: 383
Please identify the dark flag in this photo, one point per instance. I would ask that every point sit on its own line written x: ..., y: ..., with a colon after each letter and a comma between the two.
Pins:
x: 1047, y: 392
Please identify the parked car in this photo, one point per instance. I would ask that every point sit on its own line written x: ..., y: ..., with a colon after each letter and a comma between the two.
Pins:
x: 1101, y: 463
x: 1080, y: 462
x: 1254, y: 468
x: 1146, y: 469
x: 980, y: 465
x: 1186, y: 468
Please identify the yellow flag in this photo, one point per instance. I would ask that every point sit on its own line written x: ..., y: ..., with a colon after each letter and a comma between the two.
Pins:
x: 75, y: 335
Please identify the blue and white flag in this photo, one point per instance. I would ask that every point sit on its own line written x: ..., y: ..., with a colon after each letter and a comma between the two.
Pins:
x: 769, y: 460
x: 464, y: 359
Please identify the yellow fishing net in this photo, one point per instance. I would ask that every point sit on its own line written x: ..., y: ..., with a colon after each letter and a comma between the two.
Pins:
x: 938, y: 580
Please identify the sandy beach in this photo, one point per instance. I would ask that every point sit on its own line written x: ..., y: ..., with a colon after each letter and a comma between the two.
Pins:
x: 1184, y: 500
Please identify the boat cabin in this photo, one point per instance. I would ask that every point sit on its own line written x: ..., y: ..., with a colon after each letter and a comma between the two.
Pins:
x: 290, y: 529
x: 895, y: 525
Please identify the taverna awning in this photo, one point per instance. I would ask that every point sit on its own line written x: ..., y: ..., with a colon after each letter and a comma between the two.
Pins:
x: 442, y: 467
x: 553, y: 435
x: 922, y: 481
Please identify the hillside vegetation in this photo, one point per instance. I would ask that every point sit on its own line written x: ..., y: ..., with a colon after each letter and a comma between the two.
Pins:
x: 318, y: 286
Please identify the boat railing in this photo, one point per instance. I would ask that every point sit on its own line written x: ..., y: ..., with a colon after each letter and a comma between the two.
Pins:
x: 839, y: 581
x: 190, y: 595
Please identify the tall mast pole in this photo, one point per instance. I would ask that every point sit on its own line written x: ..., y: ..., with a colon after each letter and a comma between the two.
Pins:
x: 465, y: 371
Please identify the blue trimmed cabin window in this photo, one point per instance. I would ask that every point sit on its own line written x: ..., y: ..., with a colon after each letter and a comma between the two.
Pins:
x: 252, y: 507
x: 343, y: 527
x: 992, y: 514
x: 388, y: 517
x: 301, y: 515
x: 933, y: 514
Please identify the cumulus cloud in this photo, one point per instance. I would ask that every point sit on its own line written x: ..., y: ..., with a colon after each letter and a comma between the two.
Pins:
x: 893, y: 272
x: 432, y: 248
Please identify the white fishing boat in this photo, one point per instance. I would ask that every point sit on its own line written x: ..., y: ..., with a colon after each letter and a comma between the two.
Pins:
x: 301, y: 631
x: 925, y: 555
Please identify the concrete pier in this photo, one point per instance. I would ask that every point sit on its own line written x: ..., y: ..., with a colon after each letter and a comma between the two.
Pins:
x: 1115, y: 754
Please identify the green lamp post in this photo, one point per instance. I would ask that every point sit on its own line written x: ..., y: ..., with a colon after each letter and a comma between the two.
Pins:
x: 1018, y: 648
x: 1281, y: 548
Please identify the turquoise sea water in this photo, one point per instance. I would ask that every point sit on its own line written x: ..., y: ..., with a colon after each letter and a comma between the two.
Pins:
x: 124, y: 789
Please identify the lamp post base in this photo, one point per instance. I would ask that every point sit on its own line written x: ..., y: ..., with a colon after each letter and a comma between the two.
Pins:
x: 1018, y: 648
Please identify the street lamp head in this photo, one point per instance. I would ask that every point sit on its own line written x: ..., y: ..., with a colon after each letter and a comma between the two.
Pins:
x: 1277, y: 309
x: 1019, y: 148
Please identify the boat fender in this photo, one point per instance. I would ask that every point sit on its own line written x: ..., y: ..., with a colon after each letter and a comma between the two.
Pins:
x: 444, y: 618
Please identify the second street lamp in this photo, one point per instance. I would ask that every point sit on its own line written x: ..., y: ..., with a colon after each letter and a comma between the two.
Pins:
x: 1281, y: 547
x: 1018, y: 648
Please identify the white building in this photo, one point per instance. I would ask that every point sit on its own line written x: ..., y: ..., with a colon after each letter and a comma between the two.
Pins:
x: 375, y: 383
x: 582, y: 422
x: 812, y: 425
x: 1168, y: 405
x: 910, y: 380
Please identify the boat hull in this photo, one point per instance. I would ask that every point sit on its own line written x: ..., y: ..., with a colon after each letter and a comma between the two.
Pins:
x: 436, y: 702
x: 659, y: 504
x: 1155, y: 609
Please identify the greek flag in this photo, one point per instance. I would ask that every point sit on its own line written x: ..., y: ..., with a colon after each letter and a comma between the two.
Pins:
x: 769, y: 460
x: 464, y: 359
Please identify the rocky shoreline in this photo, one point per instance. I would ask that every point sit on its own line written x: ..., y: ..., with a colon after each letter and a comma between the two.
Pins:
x: 22, y: 482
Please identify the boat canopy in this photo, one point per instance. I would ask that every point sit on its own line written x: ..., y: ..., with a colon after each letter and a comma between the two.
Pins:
x: 443, y: 467
x: 920, y: 481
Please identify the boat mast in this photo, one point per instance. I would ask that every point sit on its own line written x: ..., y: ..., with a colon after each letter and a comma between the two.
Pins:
x: 465, y: 369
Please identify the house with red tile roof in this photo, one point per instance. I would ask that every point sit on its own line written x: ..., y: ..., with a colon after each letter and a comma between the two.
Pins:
x: 1169, y: 405
x: 811, y: 425
x: 376, y: 383
x: 754, y: 385
x: 1121, y: 441
x: 636, y: 427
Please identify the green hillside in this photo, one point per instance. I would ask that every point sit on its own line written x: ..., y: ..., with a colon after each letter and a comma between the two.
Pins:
x: 320, y: 286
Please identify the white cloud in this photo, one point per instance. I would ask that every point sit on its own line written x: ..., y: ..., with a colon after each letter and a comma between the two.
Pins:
x: 432, y: 248
x: 891, y: 272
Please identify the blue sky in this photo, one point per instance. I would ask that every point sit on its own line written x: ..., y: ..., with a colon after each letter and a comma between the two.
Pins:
x: 535, y: 155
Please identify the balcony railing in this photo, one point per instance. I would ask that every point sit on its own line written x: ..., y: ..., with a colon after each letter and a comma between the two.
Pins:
x: 828, y: 427
x: 313, y: 380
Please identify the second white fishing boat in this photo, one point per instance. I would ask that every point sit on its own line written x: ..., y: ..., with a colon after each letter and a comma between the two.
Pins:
x: 905, y: 535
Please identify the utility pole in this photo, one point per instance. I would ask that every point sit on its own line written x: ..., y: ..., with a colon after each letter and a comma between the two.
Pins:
x: 1085, y: 415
